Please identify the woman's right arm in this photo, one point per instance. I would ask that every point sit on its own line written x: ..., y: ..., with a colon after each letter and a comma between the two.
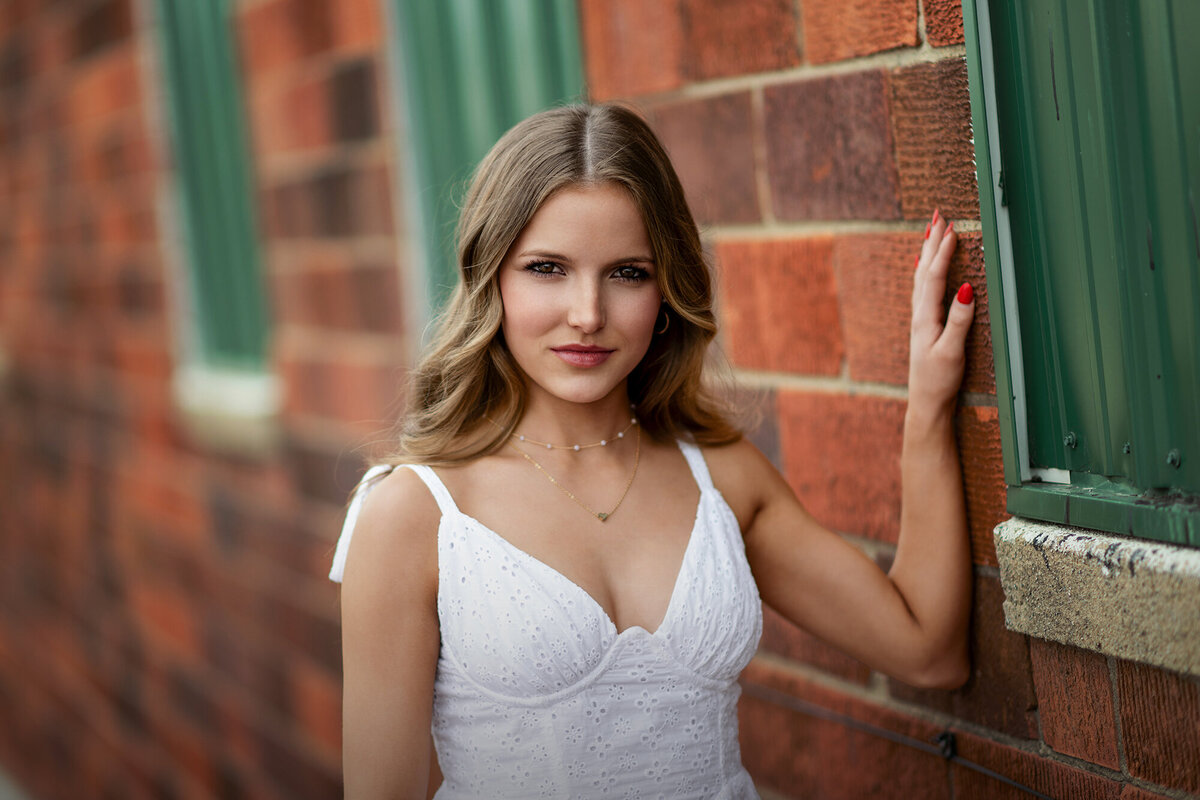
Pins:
x: 390, y: 641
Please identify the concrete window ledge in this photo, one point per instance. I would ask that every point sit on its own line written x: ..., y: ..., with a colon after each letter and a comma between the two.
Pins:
x: 230, y: 411
x: 1130, y: 598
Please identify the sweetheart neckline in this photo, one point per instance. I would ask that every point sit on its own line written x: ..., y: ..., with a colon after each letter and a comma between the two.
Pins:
x: 675, y: 588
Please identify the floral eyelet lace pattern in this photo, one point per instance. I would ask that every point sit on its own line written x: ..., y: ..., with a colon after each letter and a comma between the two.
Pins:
x: 538, y: 695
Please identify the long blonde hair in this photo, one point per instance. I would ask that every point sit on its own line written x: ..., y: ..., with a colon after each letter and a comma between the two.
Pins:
x: 467, y: 394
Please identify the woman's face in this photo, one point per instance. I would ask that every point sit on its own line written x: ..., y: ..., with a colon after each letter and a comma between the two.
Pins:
x: 580, y: 294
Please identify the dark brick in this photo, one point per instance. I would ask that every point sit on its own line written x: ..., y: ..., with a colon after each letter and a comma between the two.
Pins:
x: 842, y: 456
x: 835, y: 30
x: 943, y: 22
x: 1160, y: 711
x: 105, y: 23
x: 322, y: 473
x: 189, y: 697
x: 312, y: 24
x: 829, y: 148
x: 724, y: 38
x: 935, y: 154
x: 711, y: 144
x: 354, y: 112
x: 1075, y: 702
x: 785, y: 639
x: 999, y: 694
x: 763, y: 282
x: 1051, y: 778
x: 789, y: 747
x: 297, y: 776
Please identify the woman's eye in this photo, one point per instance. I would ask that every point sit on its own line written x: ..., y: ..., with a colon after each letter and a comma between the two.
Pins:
x: 542, y: 268
x: 631, y: 273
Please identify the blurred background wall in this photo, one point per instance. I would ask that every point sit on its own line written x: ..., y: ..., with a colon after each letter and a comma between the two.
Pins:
x: 178, y: 436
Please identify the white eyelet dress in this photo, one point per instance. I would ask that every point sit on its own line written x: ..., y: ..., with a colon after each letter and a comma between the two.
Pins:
x: 538, y: 695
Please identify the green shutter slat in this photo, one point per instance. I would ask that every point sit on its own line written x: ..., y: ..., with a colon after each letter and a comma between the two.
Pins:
x: 216, y: 195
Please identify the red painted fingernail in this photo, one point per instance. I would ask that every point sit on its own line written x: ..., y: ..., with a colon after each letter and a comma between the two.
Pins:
x: 949, y: 228
x: 928, y: 225
x: 917, y: 261
x: 935, y: 217
x: 965, y: 294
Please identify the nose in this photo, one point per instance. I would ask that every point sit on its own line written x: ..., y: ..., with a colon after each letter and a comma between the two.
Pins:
x: 586, y: 311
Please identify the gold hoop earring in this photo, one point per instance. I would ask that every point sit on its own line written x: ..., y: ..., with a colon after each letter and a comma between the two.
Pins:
x: 666, y: 323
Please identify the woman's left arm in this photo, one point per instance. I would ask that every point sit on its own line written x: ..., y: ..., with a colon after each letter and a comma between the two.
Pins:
x: 911, y: 622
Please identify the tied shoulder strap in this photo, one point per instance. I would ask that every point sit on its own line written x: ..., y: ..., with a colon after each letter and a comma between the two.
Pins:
x: 369, y: 480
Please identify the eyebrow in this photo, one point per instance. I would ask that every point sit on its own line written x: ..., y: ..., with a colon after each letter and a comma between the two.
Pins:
x: 638, y: 259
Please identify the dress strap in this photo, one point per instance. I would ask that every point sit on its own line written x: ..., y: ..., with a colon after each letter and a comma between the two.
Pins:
x: 369, y: 480
x: 699, y: 467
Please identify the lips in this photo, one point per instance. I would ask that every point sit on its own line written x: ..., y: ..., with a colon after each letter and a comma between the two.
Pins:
x: 580, y: 355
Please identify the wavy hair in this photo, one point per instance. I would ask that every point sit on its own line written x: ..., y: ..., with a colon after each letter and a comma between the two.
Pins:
x: 467, y: 393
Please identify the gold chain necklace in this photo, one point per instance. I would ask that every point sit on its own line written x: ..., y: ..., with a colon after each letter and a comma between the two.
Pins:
x: 600, y: 515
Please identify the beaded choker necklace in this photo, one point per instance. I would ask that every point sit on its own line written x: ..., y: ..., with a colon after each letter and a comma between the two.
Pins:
x: 576, y: 447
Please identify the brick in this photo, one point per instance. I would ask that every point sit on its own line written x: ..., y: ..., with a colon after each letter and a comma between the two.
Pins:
x: 726, y: 38
x: 764, y: 285
x: 835, y: 30
x: 978, y: 432
x: 350, y: 391
x: 631, y: 47
x: 1075, y: 702
x: 166, y: 617
x: 266, y: 37
x: 829, y: 148
x: 711, y: 145
x: 354, y: 113
x: 317, y: 698
x: 1160, y: 713
x: 841, y: 455
x: 943, y: 22
x: 103, y: 24
x: 788, y: 748
x: 999, y: 694
x: 935, y: 154
x: 358, y: 25
x: 1051, y: 778
x: 785, y: 639
x: 106, y: 86
x: 1130, y: 792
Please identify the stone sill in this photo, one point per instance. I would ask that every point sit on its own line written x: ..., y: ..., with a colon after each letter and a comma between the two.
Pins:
x: 230, y: 411
x: 1130, y: 598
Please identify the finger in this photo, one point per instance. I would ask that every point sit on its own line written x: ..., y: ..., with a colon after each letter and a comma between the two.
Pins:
x: 959, y: 318
x: 927, y: 302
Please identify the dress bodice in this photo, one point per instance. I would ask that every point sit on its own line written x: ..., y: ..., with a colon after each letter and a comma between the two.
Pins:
x: 538, y: 694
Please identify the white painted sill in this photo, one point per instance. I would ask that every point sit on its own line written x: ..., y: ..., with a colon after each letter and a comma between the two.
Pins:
x: 234, y: 412
x: 1135, y: 599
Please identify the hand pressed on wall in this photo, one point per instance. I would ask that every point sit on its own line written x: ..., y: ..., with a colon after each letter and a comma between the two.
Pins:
x: 937, y: 342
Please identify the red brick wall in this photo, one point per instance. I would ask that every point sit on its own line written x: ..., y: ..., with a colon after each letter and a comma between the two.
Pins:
x: 815, y: 138
x: 166, y: 628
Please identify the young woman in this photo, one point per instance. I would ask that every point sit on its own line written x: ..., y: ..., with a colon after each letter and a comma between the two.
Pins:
x: 560, y: 568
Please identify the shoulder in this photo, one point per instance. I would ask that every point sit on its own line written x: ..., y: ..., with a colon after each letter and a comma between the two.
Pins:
x: 744, y: 476
x: 395, y: 534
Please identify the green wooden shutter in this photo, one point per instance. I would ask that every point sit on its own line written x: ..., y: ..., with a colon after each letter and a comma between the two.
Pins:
x: 212, y: 167
x: 473, y: 69
x: 1087, y: 126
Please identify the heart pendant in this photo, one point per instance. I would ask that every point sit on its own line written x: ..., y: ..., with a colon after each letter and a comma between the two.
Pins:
x: 601, y: 516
